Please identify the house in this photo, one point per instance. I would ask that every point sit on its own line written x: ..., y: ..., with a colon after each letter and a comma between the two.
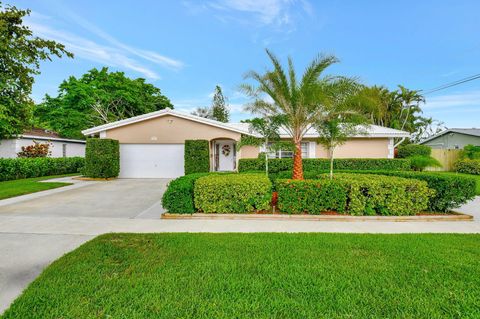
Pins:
x: 152, y: 145
x: 454, y: 138
x: 59, y: 147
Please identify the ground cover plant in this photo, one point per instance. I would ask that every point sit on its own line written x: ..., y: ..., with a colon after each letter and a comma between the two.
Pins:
x: 28, y: 185
x: 260, y: 276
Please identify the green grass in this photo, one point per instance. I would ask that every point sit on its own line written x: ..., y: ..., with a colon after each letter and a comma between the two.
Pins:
x: 477, y: 177
x: 28, y: 185
x: 260, y: 276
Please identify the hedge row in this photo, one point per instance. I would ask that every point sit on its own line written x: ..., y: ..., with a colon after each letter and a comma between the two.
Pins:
x: 17, y: 168
x: 197, y: 156
x: 321, y: 164
x: 410, y: 150
x: 178, y: 198
x: 102, y: 158
x: 233, y: 193
x: 354, y: 194
x: 468, y: 166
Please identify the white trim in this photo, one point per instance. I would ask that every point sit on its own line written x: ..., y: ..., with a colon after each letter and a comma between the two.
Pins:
x: 103, y: 134
x: 46, y: 138
x: 391, y: 148
x: 311, y: 150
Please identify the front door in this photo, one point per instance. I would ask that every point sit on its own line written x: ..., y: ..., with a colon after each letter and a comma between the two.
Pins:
x: 226, y: 155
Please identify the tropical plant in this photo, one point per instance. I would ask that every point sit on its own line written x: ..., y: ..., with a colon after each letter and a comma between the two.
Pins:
x: 35, y: 150
x: 299, y: 101
x: 20, y: 55
x: 420, y: 162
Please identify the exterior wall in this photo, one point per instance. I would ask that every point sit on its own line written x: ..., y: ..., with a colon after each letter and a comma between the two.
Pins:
x: 168, y: 130
x: 10, y: 148
x: 354, y: 148
x: 452, y: 141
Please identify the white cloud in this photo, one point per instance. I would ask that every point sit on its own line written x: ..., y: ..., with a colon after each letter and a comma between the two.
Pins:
x: 453, y: 101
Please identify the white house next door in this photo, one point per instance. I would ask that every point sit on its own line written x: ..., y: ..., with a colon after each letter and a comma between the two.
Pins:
x: 225, y: 155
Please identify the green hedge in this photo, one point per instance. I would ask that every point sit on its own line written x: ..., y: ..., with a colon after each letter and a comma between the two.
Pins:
x: 102, y: 158
x: 178, y: 198
x: 354, y: 194
x: 468, y: 166
x: 321, y: 164
x: 409, y: 150
x: 232, y: 193
x: 197, y: 156
x: 17, y: 168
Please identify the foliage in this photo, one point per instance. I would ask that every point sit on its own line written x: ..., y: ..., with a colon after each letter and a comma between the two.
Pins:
x: 470, y: 152
x: 232, y: 193
x: 20, y: 55
x: 197, y: 156
x: 102, y: 158
x: 204, y: 112
x: 18, y: 168
x: 322, y: 164
x: 24, y: 186
x: 408, y: 150
x: 468, y: 166
x: 219, y: 106
x: 178, y: 198
x: 420, y: 162
x: 96, y: 98
x: 300, y: 101
x: 354, y: 194
x: 35, y: 150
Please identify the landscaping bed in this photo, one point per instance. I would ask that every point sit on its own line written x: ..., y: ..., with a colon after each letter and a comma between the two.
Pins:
x: 260, y: 276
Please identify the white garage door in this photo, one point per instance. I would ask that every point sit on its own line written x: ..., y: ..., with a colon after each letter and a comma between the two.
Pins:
x: 151, y: 160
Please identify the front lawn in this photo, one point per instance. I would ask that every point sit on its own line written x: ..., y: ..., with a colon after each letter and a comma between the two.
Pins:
x: 477, y: 177
x: 28, y: 185
x: 260, y: 276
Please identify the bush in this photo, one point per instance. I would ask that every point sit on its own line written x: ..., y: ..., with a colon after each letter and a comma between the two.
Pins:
x: 321, y: 164
x: 17, y: 168
x: 355, y: 194
x: 102, y: 158
x: 178, y: 198
x: 420, y: 162
x: 467, y: 166
x: 35, y: 150
x: 232, y: 193
x: 409, y: 150
x: 470, y: 152
x: 197, y: 156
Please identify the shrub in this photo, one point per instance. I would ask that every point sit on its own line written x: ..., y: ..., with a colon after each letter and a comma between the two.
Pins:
x: 178, y: 198
x: 17, y: 168
x: 470, y: 152
x: 232, y: 193
x: 468, y: 166
x: 197, y: 156
x: 35, y: 150
x: 102, y: 158
x: 409, y: 150
x: 321, y: 164
x: 420, y: 162
x: 355, y: 194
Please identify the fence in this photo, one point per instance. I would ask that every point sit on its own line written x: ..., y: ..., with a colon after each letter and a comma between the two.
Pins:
x: 446, y: 157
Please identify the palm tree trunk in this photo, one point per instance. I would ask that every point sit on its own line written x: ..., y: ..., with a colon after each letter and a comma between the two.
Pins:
x: 297, y: 162
x: 331, y: 163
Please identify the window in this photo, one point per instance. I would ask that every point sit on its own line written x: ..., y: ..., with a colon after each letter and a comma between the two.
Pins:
x: 288, y: 153
x: 64, y: 150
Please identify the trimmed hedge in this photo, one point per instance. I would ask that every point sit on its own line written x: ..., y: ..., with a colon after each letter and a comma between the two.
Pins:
x: 178, y: 198
x: 320, y: 164
x: 232, y: 193
x: 409, y: 150
x: 102, y: 158
x: 355, y: 194
x: 467, y: 166
x: 18, y: 168
x: 197, y: 156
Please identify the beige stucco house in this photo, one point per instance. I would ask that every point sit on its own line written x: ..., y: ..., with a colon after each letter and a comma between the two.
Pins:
x: 152, y: 145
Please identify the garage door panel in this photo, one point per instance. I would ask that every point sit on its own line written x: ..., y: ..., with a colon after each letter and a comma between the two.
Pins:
x: 151, y: 160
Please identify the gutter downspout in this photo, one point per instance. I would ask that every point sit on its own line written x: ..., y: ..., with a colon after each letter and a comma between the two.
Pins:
x: 399, y: 142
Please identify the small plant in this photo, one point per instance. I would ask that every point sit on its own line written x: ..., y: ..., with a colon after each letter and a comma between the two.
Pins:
x: 420, y: 162
x: 35, y: 150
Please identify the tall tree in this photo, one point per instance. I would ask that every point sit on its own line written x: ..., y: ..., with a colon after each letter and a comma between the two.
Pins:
x: 96, y: 98
x: 20, y: 55
x: 300, y: 102
x: 220, y: 110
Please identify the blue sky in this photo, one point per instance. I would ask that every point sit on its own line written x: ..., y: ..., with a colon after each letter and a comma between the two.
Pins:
x: 187, y: 47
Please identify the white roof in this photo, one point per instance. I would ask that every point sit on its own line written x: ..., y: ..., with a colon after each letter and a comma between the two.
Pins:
x: 243, y: 128
x: 51, y: 138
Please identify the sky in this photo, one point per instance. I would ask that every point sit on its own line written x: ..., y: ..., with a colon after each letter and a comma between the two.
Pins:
x: 187, y: 47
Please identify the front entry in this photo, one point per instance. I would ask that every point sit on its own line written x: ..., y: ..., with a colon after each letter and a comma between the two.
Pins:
x: 225, y: 156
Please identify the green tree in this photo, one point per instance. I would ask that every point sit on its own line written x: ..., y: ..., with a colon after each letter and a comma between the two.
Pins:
x: 219, y: 106
x: 301, y: 102
x: 96, y: 98
x: 20, y: 55
x: 204, y: 112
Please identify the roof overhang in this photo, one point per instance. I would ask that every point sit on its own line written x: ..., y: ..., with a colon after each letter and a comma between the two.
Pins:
x: 47, y: 138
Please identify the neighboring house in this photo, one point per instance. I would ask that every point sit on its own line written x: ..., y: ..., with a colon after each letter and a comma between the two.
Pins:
x: 152, y: 145
x: 59, y: 147
x: 455, y: 138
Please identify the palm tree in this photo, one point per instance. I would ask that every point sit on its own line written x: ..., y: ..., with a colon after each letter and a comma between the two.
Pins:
x: 301, y: 103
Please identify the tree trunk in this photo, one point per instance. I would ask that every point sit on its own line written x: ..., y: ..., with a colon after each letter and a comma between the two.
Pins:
x: 266, y: 156
x: 297, y: 162
x: 331, y: 163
